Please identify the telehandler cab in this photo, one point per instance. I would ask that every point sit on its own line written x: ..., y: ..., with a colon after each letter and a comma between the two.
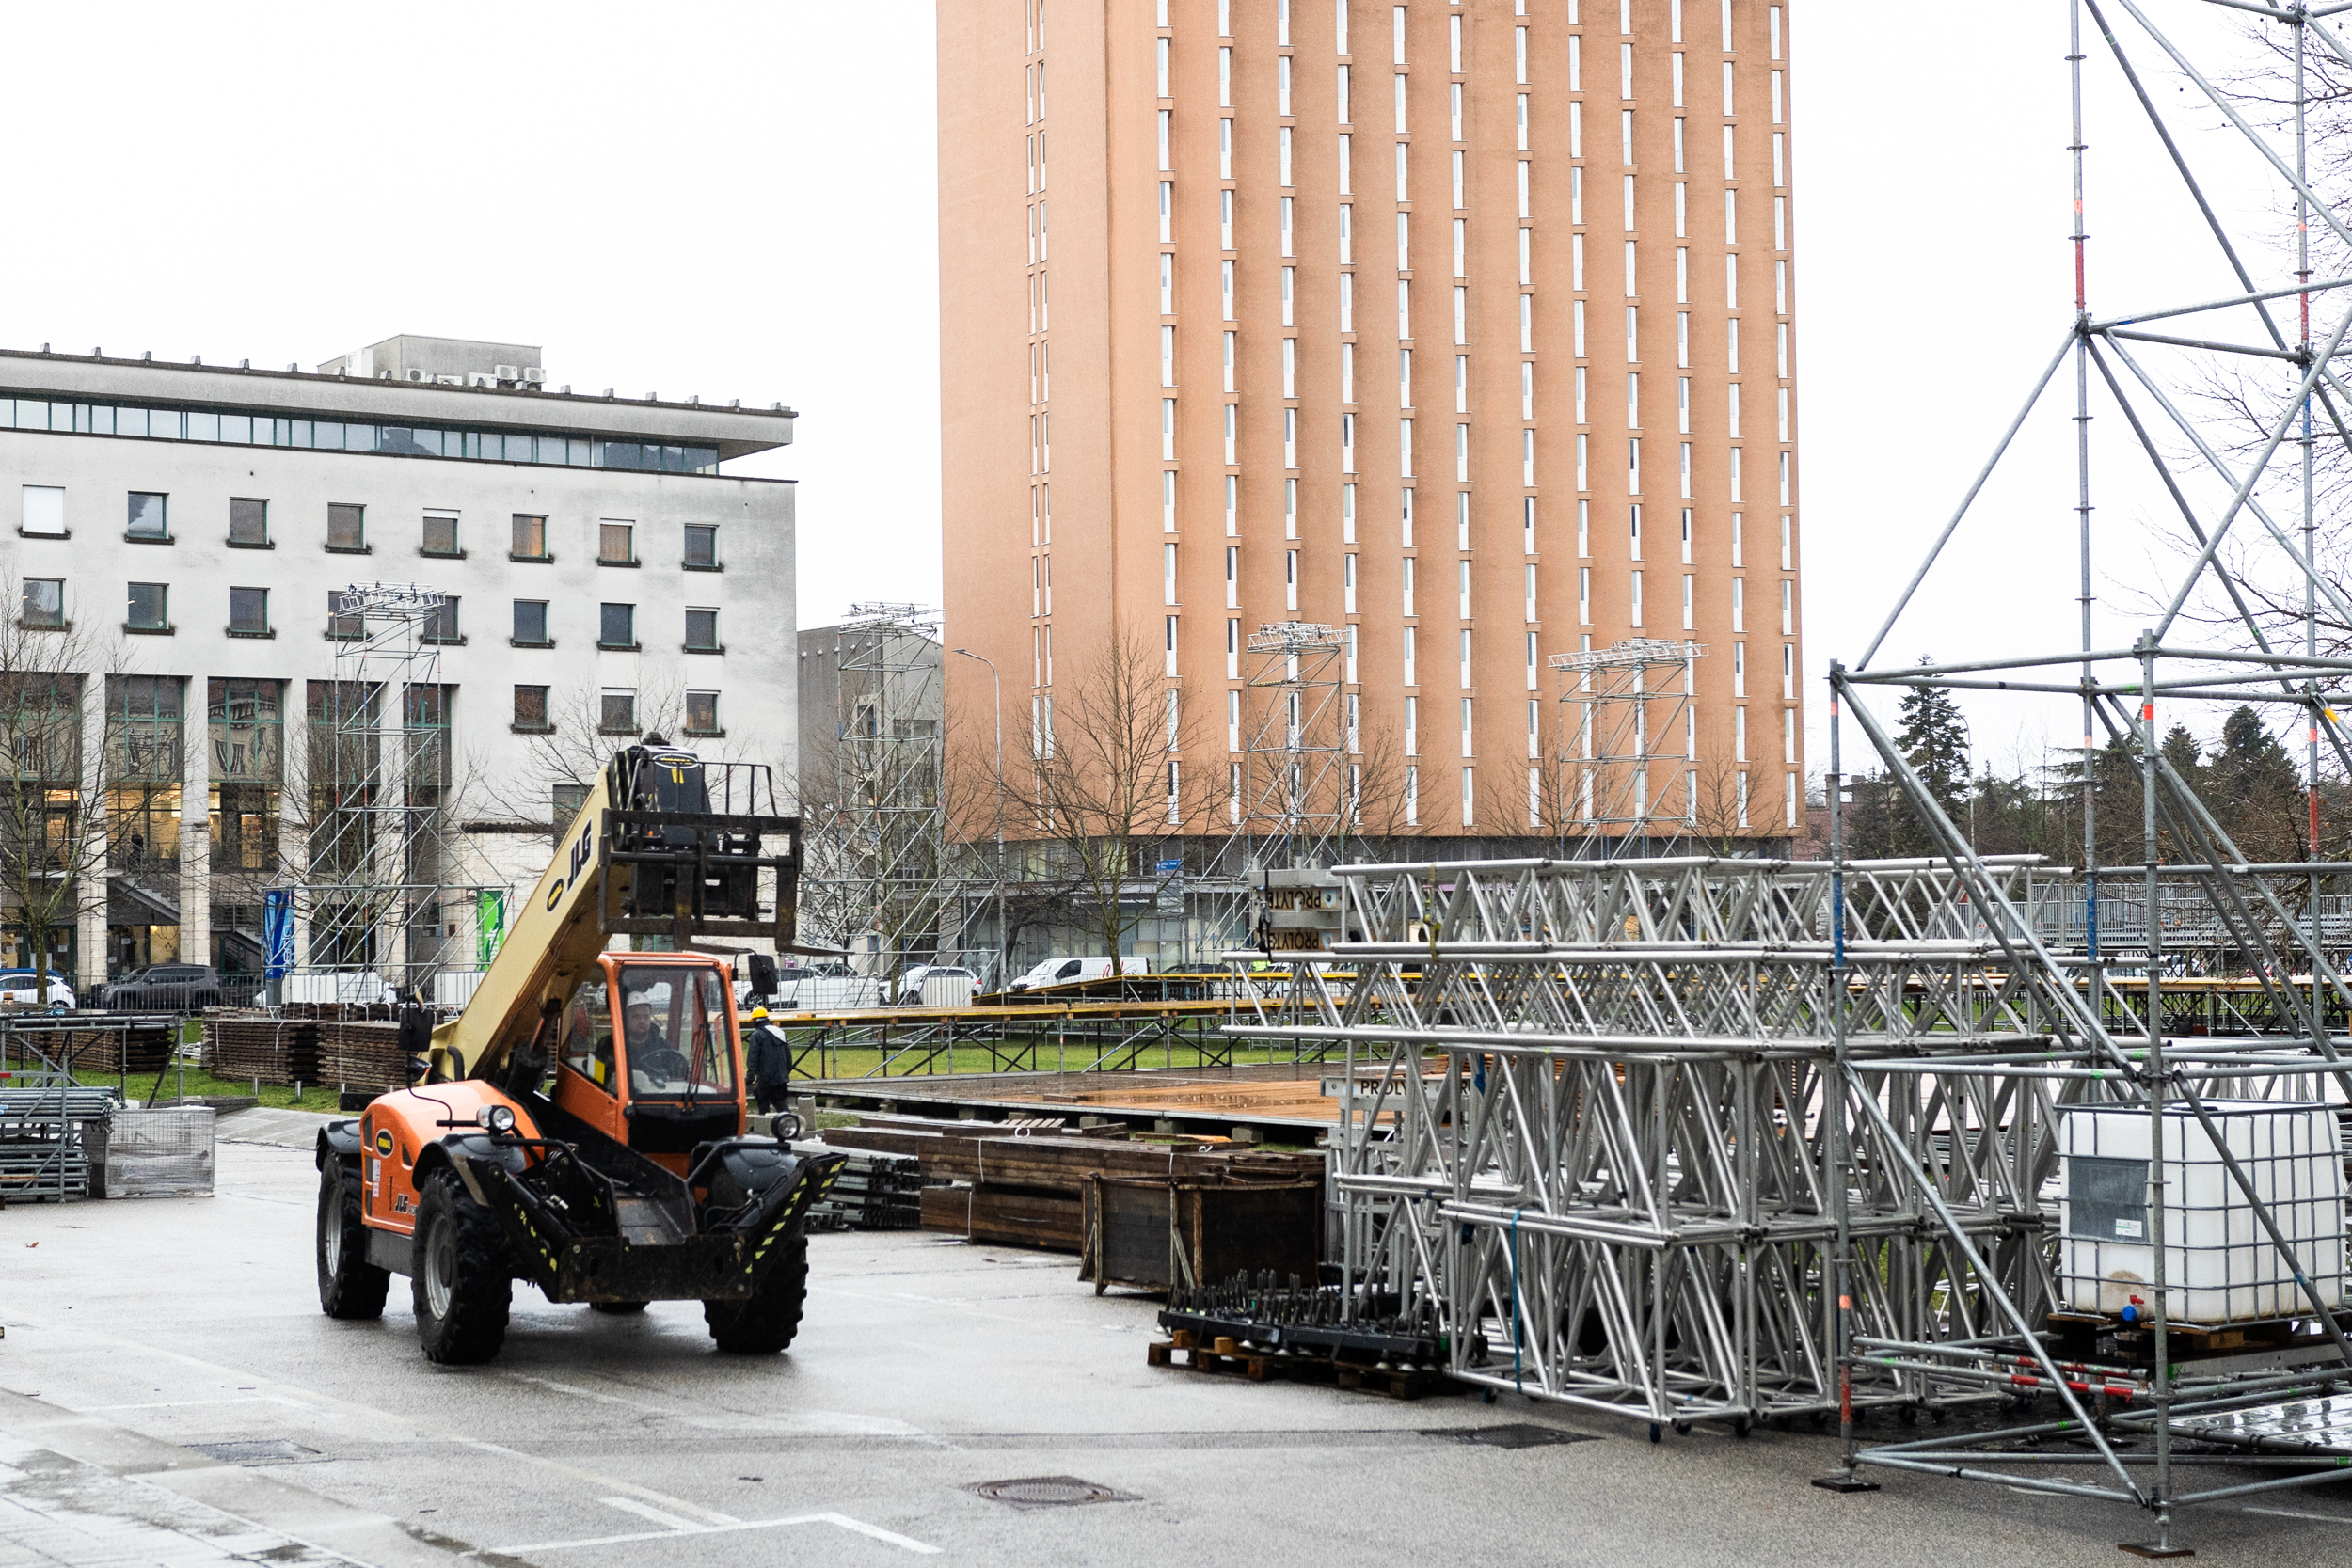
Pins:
x: 581, y: 1126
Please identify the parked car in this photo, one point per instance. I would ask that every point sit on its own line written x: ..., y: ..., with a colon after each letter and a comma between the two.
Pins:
x: 1061, y: 972
x: 160, y: 989
x: 19, y: 987
x: 936, y: 986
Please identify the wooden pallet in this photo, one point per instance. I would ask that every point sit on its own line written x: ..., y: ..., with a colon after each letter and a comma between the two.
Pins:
x: 1225, y: 1357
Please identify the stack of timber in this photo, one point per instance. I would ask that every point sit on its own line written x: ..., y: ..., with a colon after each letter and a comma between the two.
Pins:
x: 1024, y: 1183
x: 256, y: 1046
x: 91, y: 1051
x: 361, y: 1056
x: 341, y: 1012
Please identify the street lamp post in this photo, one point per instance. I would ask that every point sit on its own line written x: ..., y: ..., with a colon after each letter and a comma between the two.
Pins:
x: 1003, y: 950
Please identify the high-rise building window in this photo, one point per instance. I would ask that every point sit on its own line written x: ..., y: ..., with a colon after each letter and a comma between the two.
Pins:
x: 248, y: 611
x: 530, y: 710
x: 617, y: 710
x: 530, y: 624
x: 347, y: 526
x: 147, y: 520
x: 702, y: 631
x: 616, y: 628
x: 531, y: 538
x: 440, y: 534
x: 702, y: 714
x: 702, y: 546
x: 616, y: 544
x: 42, y: 603
x: 146, y: 607
x: 248, y: 520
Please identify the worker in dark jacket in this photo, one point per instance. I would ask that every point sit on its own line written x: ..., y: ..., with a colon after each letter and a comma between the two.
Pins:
x: 768, y: 1057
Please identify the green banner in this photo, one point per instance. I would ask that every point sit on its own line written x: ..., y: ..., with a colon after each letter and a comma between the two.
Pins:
x: 489, y: 923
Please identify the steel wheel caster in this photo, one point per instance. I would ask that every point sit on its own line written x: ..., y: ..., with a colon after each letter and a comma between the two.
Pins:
x: 1489, y: 1395
x: 1739, y: 1427
x: 1656, y: 1434
x: 1682, y: 1429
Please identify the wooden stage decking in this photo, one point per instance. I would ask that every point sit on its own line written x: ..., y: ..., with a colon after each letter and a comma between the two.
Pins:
x: 1281, y: 1098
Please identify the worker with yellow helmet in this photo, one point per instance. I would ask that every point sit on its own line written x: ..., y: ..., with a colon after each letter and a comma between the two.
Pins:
x: 768, y: 1059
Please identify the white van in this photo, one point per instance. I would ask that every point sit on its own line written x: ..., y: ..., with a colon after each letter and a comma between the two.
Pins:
x: 1062, y: 971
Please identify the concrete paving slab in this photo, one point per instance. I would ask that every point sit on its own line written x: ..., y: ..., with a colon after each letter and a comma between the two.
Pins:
x: 925, y: 1366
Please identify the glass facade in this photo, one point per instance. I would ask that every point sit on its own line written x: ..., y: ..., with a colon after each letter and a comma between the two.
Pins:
x: 268, y: 430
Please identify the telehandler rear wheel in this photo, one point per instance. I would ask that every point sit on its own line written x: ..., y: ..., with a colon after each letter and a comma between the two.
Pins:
x: 349, y: 1288
x: 461, y: 1277
x: 766, y: 1323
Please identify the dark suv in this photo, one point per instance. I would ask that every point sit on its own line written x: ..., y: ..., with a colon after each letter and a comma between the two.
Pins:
x: 161, y: 989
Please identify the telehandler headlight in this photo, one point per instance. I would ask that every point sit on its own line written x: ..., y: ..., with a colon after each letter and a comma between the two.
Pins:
x: 497, y: 1118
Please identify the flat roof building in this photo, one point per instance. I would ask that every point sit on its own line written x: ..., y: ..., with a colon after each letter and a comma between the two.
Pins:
x: 1464, y: 329
x: 190, y: 532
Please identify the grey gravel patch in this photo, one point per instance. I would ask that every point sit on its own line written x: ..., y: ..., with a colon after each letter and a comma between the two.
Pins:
x: 258, y: 1451
x: 1513, y: 1434
x: 1047, y: 1491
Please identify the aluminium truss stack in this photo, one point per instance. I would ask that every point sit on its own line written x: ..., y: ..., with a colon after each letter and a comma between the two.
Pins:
x: 1698, y: 1138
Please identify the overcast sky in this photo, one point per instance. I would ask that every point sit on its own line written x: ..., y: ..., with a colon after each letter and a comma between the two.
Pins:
x: 737, y: 201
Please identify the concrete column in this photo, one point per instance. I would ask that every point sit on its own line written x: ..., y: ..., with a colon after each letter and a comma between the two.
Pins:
x: 91, y: 920
x: 196, y: 827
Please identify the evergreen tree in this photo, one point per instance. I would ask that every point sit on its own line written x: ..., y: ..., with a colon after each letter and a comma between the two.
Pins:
x: 1935, y: 743
x: 2255, y: 790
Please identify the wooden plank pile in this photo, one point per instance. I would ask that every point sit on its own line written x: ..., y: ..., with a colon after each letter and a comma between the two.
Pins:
x: 87, y: 1053
x: 1024, y: 1182
x: 361, y: 1056
x: 276, y: 1050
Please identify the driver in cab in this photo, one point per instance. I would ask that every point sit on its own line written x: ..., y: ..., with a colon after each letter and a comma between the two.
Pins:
x: 653, y: 1063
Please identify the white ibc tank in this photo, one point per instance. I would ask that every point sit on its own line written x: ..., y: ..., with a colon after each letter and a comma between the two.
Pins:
x: 2221, y: 1266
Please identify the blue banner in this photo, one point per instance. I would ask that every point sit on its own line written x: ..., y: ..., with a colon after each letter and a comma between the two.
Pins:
x: 277, y: 932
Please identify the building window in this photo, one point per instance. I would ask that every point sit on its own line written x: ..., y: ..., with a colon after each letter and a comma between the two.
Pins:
x: 530, y: 709
x: 616, y: 711
x: 248, y: 521
x: 347, y: 526
x: 530, y: 624
x: 531, y: 538
x: 617, y: 545
x: 341, y: 625
x: 248, y: 613
x: 147, y: 606
x: 701, y: 713
x: 702, y: 546
x: 443, y: 626
x: 702, y: 632
x: 146, y: 516
x: 616, y: 628
x: 44, y: 604
x: 440, y: 534
x: 44, y: 511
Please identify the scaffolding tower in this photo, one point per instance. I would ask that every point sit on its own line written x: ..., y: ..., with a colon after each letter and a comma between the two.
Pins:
x: 1626, y: 778
x: 881, y: 881
x: 382, y: 902
x: 1298, y: 788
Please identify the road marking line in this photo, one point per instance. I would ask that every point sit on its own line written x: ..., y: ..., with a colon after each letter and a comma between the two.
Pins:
x: 646, y: 1511
x: 839, y: 1520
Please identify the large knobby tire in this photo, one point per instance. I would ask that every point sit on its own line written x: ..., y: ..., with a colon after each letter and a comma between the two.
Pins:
x: 349, y: 1286
x: 461, y: 1279
x: 766, y: 1323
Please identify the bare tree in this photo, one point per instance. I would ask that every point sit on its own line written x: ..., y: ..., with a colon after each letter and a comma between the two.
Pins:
x: 63, y: 750
x: 1103, y: 779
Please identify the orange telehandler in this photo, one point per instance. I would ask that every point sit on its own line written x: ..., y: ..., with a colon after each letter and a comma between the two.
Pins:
x: 580, y: 1125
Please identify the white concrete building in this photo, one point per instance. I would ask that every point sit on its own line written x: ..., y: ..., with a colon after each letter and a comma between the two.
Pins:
x: 193, y: 524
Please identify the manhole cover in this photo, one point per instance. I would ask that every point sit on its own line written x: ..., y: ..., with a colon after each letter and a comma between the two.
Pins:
x: 269, y: 1450
x: 1047, y: 1491
x: 1516, y: 1435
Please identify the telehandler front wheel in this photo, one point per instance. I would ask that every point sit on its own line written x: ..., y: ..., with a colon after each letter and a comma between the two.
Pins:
x: 349, y: 1288
x: 764, y: 1323
x: 461, y: 1281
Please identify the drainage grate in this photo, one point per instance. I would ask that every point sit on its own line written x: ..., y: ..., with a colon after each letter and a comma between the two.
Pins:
x: 269, y: 1450
x: 1047, y: 1491
x: 1516, y: 1435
